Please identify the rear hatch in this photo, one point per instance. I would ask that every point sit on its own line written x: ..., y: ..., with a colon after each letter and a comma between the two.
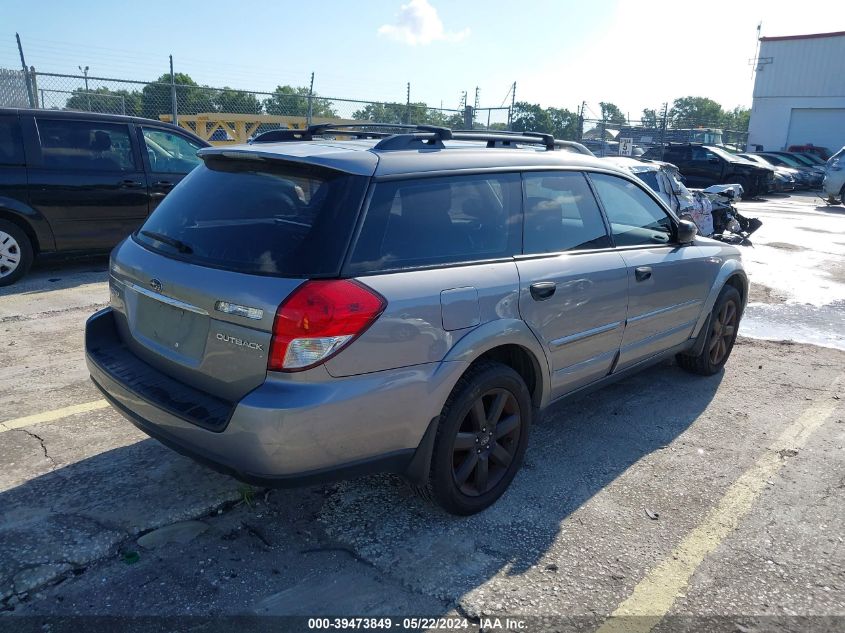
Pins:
x: 196, y: 288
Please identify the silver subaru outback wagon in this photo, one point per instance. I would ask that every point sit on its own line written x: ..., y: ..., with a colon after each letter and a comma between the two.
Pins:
x: 351, y: 300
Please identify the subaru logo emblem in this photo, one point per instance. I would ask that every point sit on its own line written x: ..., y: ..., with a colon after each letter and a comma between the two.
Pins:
x: 155, y: 284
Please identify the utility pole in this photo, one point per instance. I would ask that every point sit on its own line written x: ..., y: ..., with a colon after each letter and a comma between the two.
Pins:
x: 311, y: 100
x: 408, y: 104
x: 581, y: 121
x: 665, y: 117
x: 513, y: 105
x: 173, y: 93
x: 84, y: 71
x: 26, y: 77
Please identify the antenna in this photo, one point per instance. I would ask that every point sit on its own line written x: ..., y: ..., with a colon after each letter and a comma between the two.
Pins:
x: 757, y: 63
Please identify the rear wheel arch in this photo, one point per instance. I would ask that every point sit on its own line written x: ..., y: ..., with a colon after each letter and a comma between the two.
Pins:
x: 522, y: 361
x: 512, y: 343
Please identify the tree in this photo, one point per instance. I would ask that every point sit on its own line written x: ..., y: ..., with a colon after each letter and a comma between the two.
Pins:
x: 564, y: 123
x: 190, y: 97
x: 737, y: 119
x: 612, y: 114
x: 236, y: 101
x: 531, y: 117
x: 381, y: 113
x: 649, y: 118
x: 105, y: 100
x: 290, y: 101
x: 688, y: 112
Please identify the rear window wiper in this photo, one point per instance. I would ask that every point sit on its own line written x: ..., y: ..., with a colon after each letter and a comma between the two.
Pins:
x: 179, y: 245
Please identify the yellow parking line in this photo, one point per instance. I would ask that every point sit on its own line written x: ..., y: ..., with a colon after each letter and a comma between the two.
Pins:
x: 655, y: 594
x: 52, y: 416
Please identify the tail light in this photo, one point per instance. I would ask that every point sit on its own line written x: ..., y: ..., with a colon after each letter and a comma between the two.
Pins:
x: 319, y: 319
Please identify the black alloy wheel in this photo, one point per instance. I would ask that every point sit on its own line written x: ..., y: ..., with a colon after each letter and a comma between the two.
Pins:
x: 486, y: 442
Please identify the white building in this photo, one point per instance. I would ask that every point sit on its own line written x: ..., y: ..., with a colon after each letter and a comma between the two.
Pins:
x: 799, y: 92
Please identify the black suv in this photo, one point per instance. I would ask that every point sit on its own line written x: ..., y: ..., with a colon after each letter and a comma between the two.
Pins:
x: 705, y: 165
x: 77, y: 181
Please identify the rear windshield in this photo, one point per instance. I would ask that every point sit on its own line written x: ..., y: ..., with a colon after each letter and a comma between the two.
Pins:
x: 258, y: 217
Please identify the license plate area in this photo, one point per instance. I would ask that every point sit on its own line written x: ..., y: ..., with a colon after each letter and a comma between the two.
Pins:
x: 181, y: 332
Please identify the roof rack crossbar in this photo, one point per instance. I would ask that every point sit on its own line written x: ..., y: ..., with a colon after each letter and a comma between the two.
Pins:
x: 536, y: 138
x: 443, y: 133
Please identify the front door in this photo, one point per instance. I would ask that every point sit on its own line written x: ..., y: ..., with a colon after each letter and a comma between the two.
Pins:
x: 667, y: 282
x: 573, y: 285
x: 89, y: 183
x: 705, y: 168
x: 169, y: 156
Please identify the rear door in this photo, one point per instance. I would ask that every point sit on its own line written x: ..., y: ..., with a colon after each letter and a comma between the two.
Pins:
x: 667, y: 282
x: 573, y: 285
x: 88, y: 181
x: 168, y: 157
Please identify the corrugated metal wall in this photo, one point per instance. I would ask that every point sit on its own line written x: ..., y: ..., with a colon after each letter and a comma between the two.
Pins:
x: 812, y: 67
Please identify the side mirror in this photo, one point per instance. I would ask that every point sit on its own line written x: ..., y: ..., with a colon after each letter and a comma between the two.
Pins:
x: 686, y: 231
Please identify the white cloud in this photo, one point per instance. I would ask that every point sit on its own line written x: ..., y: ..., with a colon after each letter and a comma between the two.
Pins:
x: 418, y: 23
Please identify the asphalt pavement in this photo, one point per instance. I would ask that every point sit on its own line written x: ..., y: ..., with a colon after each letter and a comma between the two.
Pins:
x: 663, y: 500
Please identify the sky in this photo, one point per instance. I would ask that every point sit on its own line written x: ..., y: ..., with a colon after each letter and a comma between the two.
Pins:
x: 634, y: 53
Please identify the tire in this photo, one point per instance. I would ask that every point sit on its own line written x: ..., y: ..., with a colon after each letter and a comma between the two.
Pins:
x: 15, y: 253
x: 721, y: 337
x: 462, y: 459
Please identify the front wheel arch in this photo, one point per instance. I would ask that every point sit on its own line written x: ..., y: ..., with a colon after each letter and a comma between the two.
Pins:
x: 24, y: 226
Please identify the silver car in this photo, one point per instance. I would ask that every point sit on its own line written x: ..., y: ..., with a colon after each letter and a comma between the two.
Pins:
x: 350, y: 300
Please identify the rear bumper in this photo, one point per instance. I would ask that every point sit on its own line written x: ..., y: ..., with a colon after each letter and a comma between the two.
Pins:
x: 290, y: 432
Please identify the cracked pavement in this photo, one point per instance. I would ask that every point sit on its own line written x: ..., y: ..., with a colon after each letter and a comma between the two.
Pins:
x: 573, y: 536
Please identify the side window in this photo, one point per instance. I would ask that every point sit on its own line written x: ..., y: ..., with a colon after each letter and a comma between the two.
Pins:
x: 674, y: 154
x: 169, y: 152
x: 11, y: 141
x: 85, y: 145
x: 702, y: 154
x: 439, y: 221
x: 561, y: 214
x: 635, y: 218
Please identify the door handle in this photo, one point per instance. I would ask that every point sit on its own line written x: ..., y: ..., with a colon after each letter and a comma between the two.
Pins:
x: 542, y: 290
x: 130, y: 184
x: 165, y: 184
x: 642, y: 273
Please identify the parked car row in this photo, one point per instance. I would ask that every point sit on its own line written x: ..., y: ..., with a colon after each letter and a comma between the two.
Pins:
x: 706, y: 165
x: 77, y: 181
x: 758, y: 172
x: 787, y: 177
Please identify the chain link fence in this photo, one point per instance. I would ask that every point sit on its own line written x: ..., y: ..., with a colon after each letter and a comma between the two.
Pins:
x: 226, y: 115
x: 223, y: 115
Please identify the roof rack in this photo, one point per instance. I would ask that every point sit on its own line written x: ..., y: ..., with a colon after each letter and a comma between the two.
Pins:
x: 356, y: 130
x: 418, y: 136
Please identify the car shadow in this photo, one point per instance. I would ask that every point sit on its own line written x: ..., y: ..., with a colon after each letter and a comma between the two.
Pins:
x: 577, y: 449
x: 57, y: 272
x: 835, y: 209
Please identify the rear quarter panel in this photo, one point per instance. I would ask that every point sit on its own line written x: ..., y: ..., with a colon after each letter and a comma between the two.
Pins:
x: 411, y: 330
